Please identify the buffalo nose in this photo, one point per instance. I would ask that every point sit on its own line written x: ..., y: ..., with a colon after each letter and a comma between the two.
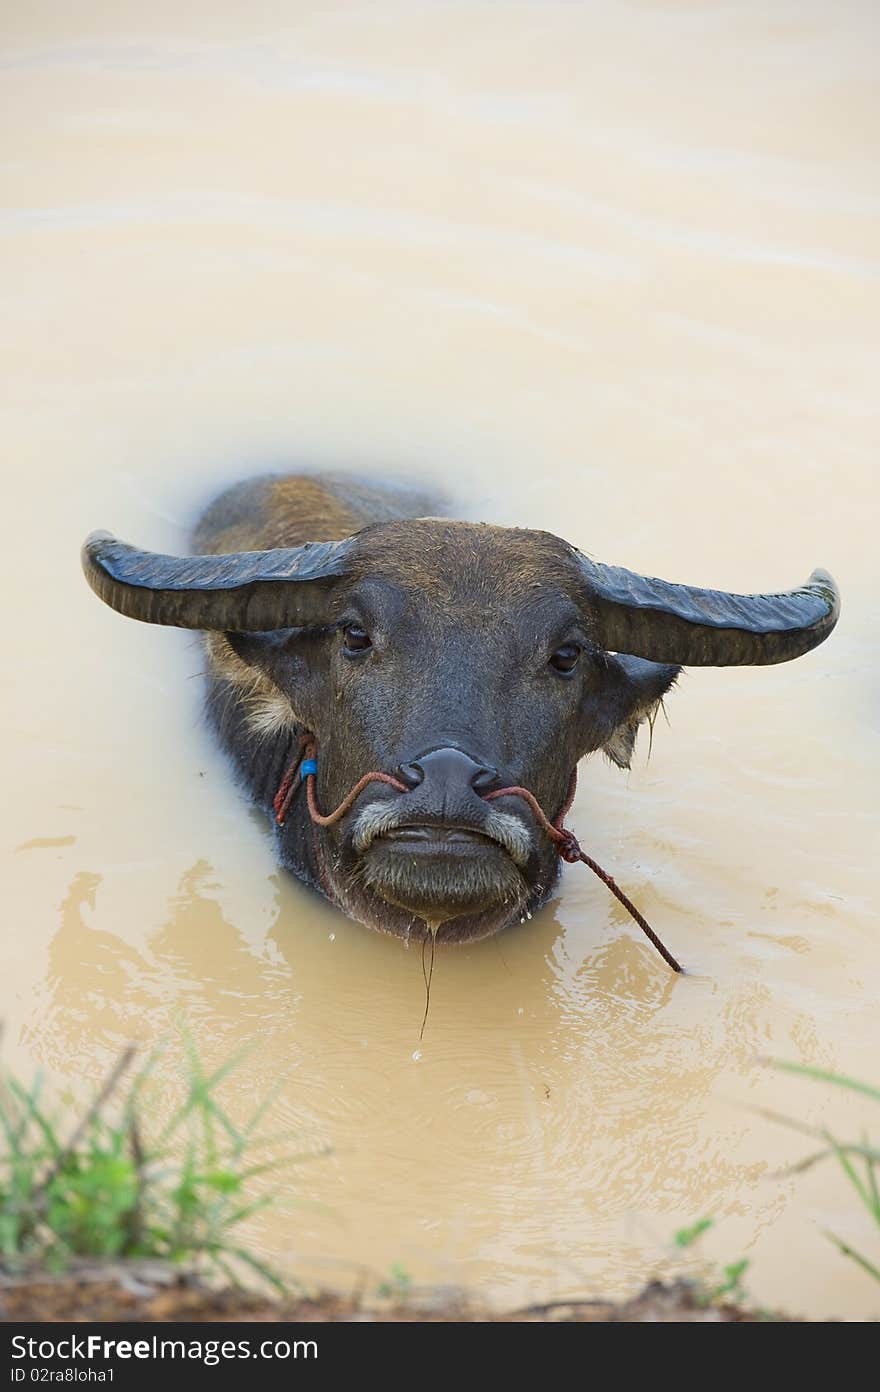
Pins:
x: 449, y: 770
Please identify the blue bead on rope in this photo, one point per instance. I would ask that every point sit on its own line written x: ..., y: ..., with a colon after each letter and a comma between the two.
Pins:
x: 308, y: 766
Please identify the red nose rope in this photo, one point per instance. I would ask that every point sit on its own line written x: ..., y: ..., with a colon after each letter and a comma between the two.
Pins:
x: 567, y: 845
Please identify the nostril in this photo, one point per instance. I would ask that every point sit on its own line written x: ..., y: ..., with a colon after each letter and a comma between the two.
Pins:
x: 412, y: 774
x: 484, y: 780
x: 448, y: 771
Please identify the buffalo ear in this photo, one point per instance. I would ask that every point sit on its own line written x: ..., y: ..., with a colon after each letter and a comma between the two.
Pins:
x: 258, y: 666
x: 261, y: 651
x: 632, y: 690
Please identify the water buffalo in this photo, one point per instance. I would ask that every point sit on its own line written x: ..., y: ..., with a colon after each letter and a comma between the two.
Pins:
x: 455, y: 658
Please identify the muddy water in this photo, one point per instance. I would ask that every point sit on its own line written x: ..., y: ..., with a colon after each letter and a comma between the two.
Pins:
x: 609, y: 269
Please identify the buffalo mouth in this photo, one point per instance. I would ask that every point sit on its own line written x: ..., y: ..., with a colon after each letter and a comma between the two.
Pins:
x: 438, y: 871
x: 422, y: 839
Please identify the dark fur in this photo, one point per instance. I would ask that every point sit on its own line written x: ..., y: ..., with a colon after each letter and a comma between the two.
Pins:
x: 464, y: 618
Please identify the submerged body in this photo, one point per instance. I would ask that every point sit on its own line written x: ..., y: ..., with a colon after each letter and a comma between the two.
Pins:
x: 458, y: 659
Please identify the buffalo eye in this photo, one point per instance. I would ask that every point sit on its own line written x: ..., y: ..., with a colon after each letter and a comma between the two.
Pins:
x: 356, y: 640
x: 565, y: 659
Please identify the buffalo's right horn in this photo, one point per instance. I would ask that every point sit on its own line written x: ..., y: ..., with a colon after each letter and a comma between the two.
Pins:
x: 244, y: 592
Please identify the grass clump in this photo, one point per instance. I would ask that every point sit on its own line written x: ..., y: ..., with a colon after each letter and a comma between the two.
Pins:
x: 859, y: 1160
x: 98, y: 1187
x: 716, y: 1285
x: 398, y: 1285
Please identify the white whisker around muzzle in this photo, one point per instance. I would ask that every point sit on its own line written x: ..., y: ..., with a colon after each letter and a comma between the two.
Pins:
x: 378, y: 818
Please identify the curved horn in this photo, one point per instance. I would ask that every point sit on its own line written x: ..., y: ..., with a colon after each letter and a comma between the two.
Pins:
x: 707, y: 628
x: 244, y: 592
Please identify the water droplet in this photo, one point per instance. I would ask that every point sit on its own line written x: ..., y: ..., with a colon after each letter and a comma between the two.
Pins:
x: 519, y: 1010
x: 332, y: 937
x: 417, y: 1054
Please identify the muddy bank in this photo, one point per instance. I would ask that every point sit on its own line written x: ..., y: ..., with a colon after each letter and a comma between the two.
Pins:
x: 149, y: 1292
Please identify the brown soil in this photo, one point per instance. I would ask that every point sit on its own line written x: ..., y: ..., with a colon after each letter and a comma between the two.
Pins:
x: 149, y: 1292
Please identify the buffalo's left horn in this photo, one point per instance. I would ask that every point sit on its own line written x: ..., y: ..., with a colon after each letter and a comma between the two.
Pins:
x: 706, y: 628
x: 244, y: 592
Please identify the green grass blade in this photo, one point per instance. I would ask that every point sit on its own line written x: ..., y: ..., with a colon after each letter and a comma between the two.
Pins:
x: 867, y: 1153
x: 855, y: 1256
x: 28, y: 1100
x: 823, y: 1075
x: 872, y: 1160
x: 260, y: 1267
x: 849, y: 1170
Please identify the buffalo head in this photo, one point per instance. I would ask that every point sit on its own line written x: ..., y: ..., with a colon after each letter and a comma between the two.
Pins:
x: 459, y: 658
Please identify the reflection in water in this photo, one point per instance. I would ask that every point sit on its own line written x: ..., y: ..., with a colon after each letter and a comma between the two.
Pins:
x: 598, y: 1077
x: 471, y: 245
